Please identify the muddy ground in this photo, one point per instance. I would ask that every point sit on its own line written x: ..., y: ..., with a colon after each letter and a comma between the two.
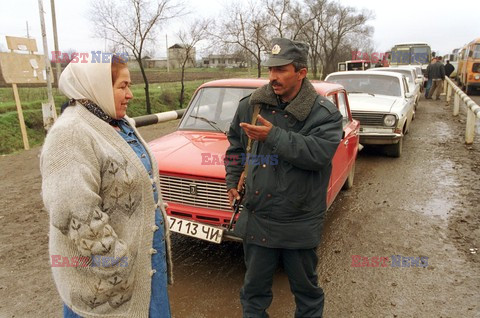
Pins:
x: 425, y: 203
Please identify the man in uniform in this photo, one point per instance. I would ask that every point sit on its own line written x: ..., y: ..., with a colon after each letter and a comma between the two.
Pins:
x: 284, y: 203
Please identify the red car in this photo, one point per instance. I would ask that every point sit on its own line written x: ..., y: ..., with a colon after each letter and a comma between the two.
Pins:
x: 192, y: 172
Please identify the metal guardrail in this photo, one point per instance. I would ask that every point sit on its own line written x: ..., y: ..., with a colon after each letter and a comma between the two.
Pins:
x: 473, y: 110
x: 158, y: 117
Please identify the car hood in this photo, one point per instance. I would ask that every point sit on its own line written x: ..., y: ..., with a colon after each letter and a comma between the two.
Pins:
x: 194, y: 153
x: 377, y: 103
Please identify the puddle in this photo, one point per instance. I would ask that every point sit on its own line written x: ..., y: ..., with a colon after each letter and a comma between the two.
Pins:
x: 443, y: 197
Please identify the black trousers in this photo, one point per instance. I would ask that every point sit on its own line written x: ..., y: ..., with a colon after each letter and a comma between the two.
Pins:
x: 300, y: 266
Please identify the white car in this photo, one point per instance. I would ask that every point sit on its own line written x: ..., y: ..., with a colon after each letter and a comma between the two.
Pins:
x: 383, y: 104
x: 409, y: 72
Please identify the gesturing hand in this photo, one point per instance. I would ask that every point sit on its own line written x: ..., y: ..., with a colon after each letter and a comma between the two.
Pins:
x: 259, y: 133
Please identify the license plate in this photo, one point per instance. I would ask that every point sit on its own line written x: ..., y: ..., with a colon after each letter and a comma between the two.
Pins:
x: 376, y: 130
x: 195, y: 229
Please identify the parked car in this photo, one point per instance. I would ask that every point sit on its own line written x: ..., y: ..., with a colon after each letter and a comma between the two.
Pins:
x: 421, y: 80
x: 190, y: 160
x: 409, y: 72
x: 382, y: 103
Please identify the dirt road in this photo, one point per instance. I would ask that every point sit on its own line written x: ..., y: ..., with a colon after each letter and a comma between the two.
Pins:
x: 424, y: 204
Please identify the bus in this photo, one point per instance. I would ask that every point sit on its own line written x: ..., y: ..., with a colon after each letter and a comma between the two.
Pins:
x: 468, y: 74
x: 417, y: 53
x: 453, y: 58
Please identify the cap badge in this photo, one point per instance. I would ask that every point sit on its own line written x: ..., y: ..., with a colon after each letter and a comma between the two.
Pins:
x: 276, y: 49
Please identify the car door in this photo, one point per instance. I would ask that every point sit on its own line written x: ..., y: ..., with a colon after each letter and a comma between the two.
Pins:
x: 345, y: 155
x: 410, y: 103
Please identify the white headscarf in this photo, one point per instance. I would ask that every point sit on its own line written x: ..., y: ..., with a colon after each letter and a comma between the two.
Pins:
x: 89, y: 80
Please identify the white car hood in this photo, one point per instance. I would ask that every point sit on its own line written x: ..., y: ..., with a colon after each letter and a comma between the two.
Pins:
x: 377, y: 103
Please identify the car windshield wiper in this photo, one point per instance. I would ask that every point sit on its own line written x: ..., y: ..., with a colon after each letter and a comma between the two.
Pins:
x: 361, y: 93
x: 210, y: 122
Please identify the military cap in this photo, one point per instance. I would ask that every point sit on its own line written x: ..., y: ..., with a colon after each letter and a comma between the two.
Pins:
x: 285, y: 51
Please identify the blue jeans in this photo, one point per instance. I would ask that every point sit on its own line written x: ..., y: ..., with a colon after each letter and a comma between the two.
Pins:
x: 68, y: 313
x: 429, y: 85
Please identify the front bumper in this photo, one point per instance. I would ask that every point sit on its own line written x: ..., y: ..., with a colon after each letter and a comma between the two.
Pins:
x: 379, y: 138
x: 473, y: 84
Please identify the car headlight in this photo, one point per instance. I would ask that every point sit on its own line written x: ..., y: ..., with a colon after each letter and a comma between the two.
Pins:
x: 389, y: 120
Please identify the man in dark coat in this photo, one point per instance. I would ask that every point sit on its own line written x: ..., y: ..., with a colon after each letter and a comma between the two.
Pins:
x: 449, y: 68
x: 285, y: 201
x: 437, y: 73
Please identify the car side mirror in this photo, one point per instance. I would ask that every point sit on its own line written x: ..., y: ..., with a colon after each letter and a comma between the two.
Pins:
x: 408, y: 95
x: 418, y: 81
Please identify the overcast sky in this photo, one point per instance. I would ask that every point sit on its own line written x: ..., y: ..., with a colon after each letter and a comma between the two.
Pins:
x: 444, y: 27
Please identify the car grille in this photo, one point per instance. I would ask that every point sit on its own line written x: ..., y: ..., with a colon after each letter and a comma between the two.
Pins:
x: 209, y: 194
x: 369, y: 118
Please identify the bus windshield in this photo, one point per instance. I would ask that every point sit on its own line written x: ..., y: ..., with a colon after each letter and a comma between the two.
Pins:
x: 411, y: 54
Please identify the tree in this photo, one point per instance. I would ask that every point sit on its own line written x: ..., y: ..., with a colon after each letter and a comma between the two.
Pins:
x: 132, y: 24
x: 246, y: 28
x: 279, y: 10
x: 328, y: 28
x: 196, y: 32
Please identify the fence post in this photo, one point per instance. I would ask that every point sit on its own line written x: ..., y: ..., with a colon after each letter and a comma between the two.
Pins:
x: 456, y: 104
x: 449, y: 93
x: 470, y: 129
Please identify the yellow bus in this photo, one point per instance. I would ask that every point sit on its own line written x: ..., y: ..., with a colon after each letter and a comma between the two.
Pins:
x: 468, y: 74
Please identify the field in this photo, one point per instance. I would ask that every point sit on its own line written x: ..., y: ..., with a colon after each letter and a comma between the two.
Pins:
x: 164, y: 95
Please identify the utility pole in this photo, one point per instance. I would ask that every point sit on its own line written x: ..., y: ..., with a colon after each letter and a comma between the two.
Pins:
x: 58, y: 67
x: 168, y: 61
x: 48, y: 67
x: 28, y: 34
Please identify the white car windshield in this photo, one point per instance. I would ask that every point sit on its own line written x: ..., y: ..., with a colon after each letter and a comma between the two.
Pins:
x: 213, y: 108
x: 368, y: 83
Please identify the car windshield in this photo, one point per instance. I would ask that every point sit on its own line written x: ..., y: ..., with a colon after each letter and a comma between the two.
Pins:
x: 213, y: 108
x: 368, y: 83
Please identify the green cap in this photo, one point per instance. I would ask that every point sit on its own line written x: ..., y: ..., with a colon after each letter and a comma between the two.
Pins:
x: 285, y: 51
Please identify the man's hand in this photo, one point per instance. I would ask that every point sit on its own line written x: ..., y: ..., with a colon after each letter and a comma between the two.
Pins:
x: 234, y: 193
x: 259, y: 133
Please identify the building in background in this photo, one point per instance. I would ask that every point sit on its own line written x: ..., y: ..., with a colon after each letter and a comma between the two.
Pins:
x: 177, y: 54
x: 223, y: 61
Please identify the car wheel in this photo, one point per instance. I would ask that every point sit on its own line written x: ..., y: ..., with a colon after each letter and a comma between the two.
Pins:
x: 349, y: 182
x: 395, y: 150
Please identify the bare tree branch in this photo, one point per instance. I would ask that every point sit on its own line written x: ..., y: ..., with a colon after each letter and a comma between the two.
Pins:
x: 132, y: 25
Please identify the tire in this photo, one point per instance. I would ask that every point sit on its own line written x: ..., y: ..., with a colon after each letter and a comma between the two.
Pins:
x: 349, y: 182
x: 395, y: 150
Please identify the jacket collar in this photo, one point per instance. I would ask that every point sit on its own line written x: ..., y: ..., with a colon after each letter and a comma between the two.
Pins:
x: 299, y: 107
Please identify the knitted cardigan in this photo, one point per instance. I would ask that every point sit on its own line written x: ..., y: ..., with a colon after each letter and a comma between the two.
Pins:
x: 100, y: 201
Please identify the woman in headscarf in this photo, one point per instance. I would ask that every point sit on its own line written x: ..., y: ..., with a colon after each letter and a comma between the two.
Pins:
x: 109, y: 240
